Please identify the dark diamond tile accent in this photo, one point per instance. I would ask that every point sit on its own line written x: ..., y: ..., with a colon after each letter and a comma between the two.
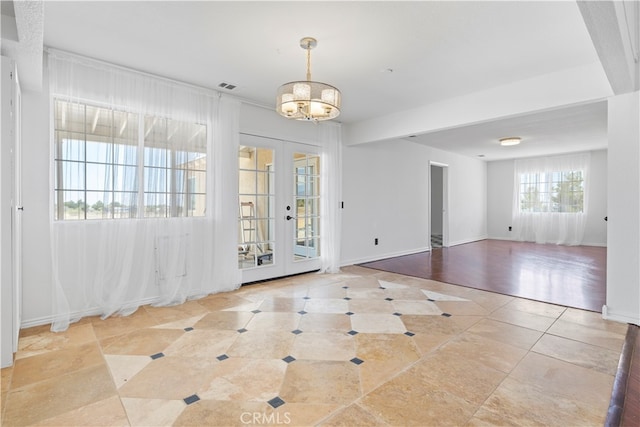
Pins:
x: 345, y: 287
x: 276, y: 402
x: 306, y: 297
x: 347, y: 298
x: 382, y: 287
x: 409, y: 334
x: 388, y: 299
x: 256, y: 311
x: 446, y: 314
x: 222, y: 357
x: 432, y: 300
x: 302, y: 312
x: 349, y: 313
x: 289, y: 359
x: 189, y: 329
x: 352, y: 332
x: 191, y: 399
x: 397, y: 314
x: 356, y: 361
x: 243, y: 330
x: 296, y: 331
x: 157, y: 356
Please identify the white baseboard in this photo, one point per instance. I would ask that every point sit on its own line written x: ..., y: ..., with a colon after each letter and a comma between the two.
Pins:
x: 379, y: 257
x: 509, y: 239
x: 465, y: 241
x: 622, y: 317
x: 47, y: 320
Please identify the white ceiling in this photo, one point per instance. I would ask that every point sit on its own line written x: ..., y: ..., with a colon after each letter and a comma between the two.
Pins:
x: 566, y: 130
x: 437, y: 50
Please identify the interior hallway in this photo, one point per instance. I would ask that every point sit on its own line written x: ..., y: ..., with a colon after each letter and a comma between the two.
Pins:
x: 362, y: 347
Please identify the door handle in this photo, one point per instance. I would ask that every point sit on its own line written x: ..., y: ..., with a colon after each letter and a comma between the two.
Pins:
x: 289, y: 217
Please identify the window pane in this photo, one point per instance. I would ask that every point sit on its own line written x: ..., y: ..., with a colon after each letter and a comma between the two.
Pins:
x: 69, y: 205
x: 264, y: 158
x: 155, y: 180
x: 155, y: 157
x: 69, y: 175
x: 125, y: 154
x: 99, y: 151
x: 69, y: 117
x: 99, y: 177
x: 124, y: 204
x: 197, y: 182
x: 248, y: 180
x: 155, y: 205
x: 125, y: 178
x: 197, y: 205
x: 69, y: 146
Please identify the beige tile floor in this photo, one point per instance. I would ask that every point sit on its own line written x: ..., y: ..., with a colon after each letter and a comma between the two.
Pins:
x: 362, y: 347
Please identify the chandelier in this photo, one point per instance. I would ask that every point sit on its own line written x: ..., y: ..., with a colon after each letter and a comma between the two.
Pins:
x: 306, y: 99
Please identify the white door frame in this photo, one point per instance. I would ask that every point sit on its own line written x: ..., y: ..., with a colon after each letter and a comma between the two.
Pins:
x: 284, y: 230
x: 10, y: 212
x: 445, y: 203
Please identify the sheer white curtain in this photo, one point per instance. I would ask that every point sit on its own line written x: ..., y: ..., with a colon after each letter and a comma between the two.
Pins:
x: 133, y: 216
x: 330, y: 137
x: 536, y: 196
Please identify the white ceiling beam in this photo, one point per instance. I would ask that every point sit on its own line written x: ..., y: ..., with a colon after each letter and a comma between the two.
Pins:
x: 27, y: 50
x: 614, y: 27
x: 573, y: 86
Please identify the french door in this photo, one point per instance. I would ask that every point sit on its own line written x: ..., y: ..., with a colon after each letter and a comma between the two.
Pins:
x: 278, y: 208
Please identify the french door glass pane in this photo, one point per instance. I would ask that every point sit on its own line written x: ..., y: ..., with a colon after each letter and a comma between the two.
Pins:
x: 256, y: 222
x: 306, y: 193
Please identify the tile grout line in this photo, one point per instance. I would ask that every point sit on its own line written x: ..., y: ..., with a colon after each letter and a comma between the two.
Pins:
x: 508, y: 375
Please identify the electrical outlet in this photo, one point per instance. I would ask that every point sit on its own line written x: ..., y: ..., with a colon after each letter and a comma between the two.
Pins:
x: 375, y: 241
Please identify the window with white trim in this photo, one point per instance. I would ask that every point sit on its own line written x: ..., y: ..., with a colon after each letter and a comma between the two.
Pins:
x: 561, y: 191
x: 113, y: 164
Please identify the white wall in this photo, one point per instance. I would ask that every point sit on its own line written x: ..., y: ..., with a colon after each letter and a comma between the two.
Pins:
x: 385, y: 191
x: 500, y: 181
x: 260, y: 121
x: 499, y: 198
x: 623, y: 239
x: 36, y: 243
x: 596, y: 231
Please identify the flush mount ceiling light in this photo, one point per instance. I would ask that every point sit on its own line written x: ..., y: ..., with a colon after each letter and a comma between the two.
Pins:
x: 512, y: 140
x: 306, y: 99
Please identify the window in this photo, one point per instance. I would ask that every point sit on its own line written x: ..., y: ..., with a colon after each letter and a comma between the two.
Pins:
x: 307, y: 196
x: 174, y: 179
x: 552, y: 192
x: 100, y: 153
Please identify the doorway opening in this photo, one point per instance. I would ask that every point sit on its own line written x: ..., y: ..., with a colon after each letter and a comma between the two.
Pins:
x: 438, y: 224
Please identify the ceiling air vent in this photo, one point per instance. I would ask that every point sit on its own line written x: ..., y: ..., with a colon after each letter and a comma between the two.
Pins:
x: 227, y: 86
